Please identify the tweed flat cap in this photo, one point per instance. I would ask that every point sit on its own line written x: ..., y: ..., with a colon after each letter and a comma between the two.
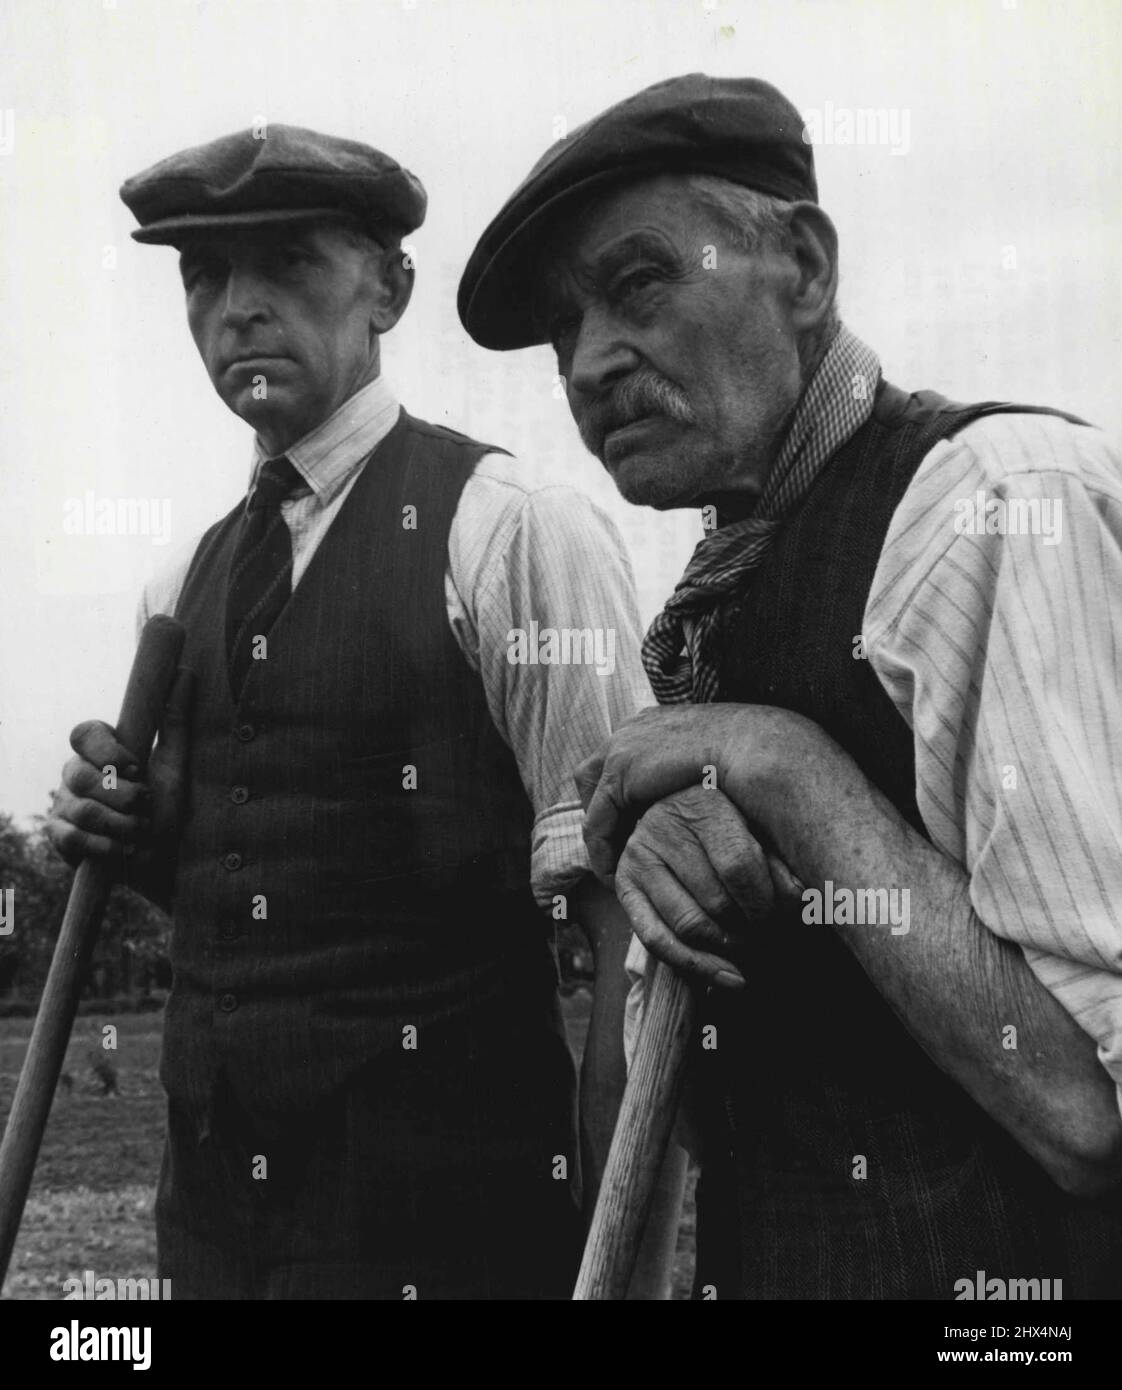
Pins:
x: 287, y: 174
x: 740, y: 128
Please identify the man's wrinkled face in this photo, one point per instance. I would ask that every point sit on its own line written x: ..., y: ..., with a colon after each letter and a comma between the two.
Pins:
x: 282, y: 321
x: 680, y: 362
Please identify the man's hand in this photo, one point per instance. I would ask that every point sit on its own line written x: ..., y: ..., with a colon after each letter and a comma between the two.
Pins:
x: 742, y: 750
x: 952, y: 982
x: 693, y: 878
x: 95, y: 814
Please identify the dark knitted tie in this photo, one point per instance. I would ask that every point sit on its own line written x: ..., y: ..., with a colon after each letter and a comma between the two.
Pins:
x: 261, y: 572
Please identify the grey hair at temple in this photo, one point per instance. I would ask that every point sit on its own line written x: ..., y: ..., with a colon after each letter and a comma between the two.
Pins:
x: 759, y: 222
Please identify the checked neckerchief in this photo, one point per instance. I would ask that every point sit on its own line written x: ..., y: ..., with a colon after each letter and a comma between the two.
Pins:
x: 836, y: 402
x: 261, y: 570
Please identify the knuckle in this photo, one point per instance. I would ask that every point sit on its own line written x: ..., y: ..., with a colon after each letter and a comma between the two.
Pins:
x: 65, y: 839
x: 743, y: 876
x: 73, y: 770
x: 97, y: 820
x: 741, y: 864
x: 720, y: 905
x: 663, y: 819
x: 82, y: 734
x: 625, y: 878
x: 62, y: 812
x: 85, y: 778
x: 689, y: 923
x: 86, y: 815
x: 638, y: 854
x: 705, y: 800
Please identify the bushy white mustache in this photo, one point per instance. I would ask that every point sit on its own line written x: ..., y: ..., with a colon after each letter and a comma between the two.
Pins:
x: 639, y: 395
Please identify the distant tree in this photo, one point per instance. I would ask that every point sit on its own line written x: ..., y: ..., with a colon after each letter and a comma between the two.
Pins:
x: 38, y: 879
x: 131, y: 952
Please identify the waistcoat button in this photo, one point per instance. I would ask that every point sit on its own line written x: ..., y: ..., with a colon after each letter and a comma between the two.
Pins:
x: 231, y: 861
x: 239, y: 795
x: 244, y: 732
x: 227, y: 1003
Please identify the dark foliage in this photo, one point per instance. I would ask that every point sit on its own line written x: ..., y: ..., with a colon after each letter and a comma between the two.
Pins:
x: 131, y: 955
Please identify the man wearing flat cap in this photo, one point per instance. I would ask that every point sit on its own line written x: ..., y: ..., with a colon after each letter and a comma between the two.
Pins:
x: 351, y: 814
x: 878, y: 812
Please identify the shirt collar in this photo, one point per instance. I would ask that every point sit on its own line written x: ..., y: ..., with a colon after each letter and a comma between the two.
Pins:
x: 327, y: 456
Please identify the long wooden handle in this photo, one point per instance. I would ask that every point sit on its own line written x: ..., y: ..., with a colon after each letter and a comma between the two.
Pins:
x: 150, y: 682
x: 642, y: 1133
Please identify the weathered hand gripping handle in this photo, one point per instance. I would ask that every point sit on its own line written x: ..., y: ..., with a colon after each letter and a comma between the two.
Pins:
x: 150, y: 683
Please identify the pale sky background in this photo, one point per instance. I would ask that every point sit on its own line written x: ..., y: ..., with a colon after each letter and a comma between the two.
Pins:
x: 981, y: 260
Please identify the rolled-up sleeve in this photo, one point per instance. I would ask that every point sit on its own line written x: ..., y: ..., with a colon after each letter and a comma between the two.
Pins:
x: 541, y: 597
x: 1004, y: 654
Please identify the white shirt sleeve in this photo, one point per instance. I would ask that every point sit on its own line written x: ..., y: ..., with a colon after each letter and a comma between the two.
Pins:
x: 161, y: 593
x: 530, y: 559
x: 1003, y: 652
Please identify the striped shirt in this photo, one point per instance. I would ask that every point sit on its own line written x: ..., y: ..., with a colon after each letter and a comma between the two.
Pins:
x: 1003, y: 652
x: 526, y: 554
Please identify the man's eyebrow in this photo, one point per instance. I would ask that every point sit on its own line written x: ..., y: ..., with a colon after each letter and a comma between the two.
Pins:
x: 553, y: 291
x: 631, y: 246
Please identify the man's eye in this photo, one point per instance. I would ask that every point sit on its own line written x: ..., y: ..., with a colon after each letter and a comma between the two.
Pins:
x: 201, y: 273
x: 634, y: 282
x: 288, y: 257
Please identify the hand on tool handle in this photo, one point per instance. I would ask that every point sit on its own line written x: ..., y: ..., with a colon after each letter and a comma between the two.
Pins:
x: 694, y: 880
x: 103, y: 814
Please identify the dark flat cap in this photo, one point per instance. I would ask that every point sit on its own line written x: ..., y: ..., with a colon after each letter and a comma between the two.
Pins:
x: 739, y: 128
x: 285, y: 175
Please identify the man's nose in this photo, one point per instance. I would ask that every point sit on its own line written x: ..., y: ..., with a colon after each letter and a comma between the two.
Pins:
x: 246, y: 298
x: 602, y: 354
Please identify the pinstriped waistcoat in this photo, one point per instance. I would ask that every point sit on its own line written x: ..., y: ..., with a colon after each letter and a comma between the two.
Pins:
x: 356, y: 857
x: 818, y: 1069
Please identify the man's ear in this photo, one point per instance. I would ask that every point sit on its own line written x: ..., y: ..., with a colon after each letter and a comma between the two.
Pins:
x: 816, y: 256
x: 394, y: 289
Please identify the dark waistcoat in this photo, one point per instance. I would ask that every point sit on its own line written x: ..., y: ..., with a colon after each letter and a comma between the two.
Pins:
x: 356, y: 858
x: 818, y: 1070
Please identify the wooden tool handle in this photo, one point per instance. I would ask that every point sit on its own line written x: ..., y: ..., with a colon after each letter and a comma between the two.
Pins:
x: 642, y: 1133
x: 150, y: 682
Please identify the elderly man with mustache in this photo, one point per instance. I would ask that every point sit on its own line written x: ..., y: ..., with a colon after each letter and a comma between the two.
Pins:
x: 869, y: 698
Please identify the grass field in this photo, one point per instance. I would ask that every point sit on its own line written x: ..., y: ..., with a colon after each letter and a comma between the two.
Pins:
x: 90, y: 1206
